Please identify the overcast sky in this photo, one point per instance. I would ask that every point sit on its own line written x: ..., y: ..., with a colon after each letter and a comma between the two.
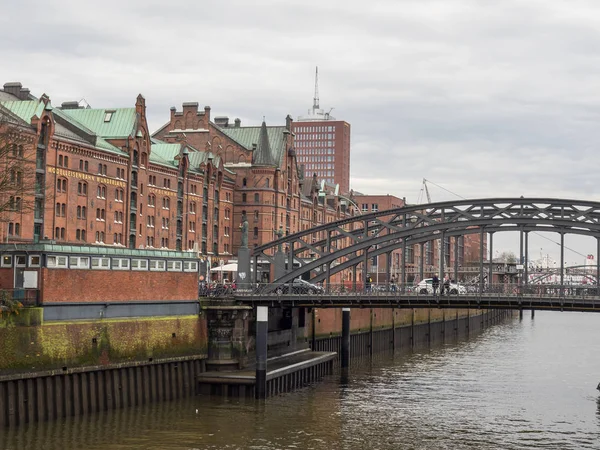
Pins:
x: 484, y: 98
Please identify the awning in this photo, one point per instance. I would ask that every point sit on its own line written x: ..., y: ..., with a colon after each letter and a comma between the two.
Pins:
x: 231, y: 267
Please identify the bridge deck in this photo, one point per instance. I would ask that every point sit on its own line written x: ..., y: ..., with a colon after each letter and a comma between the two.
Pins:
x: 398, y: 300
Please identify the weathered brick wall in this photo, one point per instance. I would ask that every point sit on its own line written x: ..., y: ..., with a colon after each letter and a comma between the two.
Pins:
x: 69, y: 285
x: 329, y: 321
x: 101, y: 342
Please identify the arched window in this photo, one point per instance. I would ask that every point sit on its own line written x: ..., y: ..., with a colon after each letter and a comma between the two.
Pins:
x: 256, y: 215
x: 255, y: 232
x: 267, y: 182
x: 244, y: 182
x: 256, y: 198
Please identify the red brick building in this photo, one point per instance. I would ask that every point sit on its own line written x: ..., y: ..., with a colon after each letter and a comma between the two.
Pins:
x: 428, y: 255
x: 323, y: 145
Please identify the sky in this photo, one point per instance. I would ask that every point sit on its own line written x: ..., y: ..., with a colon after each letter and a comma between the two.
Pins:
x: 482, y: 98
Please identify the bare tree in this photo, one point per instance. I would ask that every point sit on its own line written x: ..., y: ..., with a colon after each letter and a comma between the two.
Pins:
x: 19, y: 182
x: 507, y: 257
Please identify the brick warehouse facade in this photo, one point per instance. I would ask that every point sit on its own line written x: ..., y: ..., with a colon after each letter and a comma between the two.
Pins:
x: 109, y: 183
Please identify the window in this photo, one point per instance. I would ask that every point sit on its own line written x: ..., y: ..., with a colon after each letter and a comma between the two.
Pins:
x: 227, y: 213
x: 35, y: 260
x: 59, y: 233
x: 244, y: 198
x: 120, y: 264
x: 256, y: 198
x: 61, y: 185
x: 150, y: 221
x: 82, y: 188
x: 244, y: 182
x: 151, y: 200
x: 6, y: 261
x: 165, y: 223
x: 118, y: 216
x: 166, y: 203
x: 118, y: 239
x: 192, y: 207
x: 80, y: 235
x: 190, y: 266
x: 79, y: 262
x: 20, y: 261
x: 100, y: 214
x: 108, y: 115
x: 255, y: 233
x: 256, y: 215
x: 119, y: 195
x: 174, y: 266
x: 149, y: 241
x: 63, y: 161
x: 156, y: 264
x: 100, y: 263
x: 81, y: 212
x: 374, y: 207
x: 192, y: 227
x: 101, y: 192
x: 139, y: 264
x: 56, y: 262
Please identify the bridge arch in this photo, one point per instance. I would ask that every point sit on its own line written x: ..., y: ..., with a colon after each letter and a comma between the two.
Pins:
x: 336, y: 246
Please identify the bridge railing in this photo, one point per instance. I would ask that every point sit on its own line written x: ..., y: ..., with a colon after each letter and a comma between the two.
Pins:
x: 410, y: 289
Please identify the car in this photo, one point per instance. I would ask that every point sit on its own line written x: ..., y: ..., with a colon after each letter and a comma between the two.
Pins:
x: 299, y: 286
x: 425, y: 286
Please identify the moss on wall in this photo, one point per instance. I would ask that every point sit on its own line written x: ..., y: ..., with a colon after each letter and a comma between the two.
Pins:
x: 99, y: 342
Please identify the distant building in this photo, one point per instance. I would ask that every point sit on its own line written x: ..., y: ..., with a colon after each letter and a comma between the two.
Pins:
x: 323, y: 145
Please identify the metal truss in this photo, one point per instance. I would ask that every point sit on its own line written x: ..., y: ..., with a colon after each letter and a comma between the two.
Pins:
x: 330, y: 248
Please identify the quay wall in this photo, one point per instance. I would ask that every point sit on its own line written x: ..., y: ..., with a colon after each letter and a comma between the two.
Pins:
x: 52, y: 370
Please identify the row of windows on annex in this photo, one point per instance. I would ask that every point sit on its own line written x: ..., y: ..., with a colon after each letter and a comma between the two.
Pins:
x: 98, y: 263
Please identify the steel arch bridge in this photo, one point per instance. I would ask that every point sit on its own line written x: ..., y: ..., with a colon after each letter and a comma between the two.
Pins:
x: 345, y: 244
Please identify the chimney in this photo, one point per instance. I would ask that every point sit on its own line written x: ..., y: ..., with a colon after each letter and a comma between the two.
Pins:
x: 238, y: 122
x: 16, y: 89
x: 70, y: 105
x: 222, y: 121
x: 288, y: 122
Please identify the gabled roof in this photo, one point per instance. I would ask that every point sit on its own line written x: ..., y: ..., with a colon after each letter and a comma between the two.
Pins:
x: 122, y: 122
x: 25, y: 110
x: 164, y: 154
x: 269, y: 141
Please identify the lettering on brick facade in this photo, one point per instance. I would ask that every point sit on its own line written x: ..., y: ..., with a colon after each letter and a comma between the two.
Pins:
x: 159, y: 191
x: 85, y: 176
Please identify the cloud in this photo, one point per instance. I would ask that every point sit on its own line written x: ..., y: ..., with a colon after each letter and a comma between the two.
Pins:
x: 482, y: 98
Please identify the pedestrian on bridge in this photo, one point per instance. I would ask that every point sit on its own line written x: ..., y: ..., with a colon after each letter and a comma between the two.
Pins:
x: 446, y: 290
x: 435, y: 283
x: 368, y: 283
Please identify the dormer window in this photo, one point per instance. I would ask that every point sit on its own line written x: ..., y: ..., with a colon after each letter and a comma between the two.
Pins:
x: 108, y: 115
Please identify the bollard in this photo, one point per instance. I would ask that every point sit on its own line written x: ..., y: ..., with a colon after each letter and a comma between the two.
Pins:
x: 262, y: 327
x: 345, y: 337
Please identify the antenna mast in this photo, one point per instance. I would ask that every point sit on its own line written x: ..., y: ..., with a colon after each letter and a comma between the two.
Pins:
x: 316, y: 98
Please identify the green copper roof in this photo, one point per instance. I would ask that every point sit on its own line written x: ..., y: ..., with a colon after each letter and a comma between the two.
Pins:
x: 121, y: 122
x: 165, y: 154
x: 264, y: 154
x: 25, y: 110
x: 95, y: 250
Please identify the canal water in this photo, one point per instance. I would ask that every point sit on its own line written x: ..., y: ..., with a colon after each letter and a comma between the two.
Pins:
x: 519, y: 385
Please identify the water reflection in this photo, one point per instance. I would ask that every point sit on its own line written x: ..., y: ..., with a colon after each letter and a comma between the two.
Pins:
x: 515, y: 386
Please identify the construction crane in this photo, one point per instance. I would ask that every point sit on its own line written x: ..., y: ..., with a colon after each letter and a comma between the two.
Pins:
x: 424, y: 191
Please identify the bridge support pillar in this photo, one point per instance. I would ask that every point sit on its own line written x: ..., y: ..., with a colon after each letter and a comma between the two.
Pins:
x: 262, y: 327
x: 520, y: 314
x: 228, y: 328
x: 345, y: 357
